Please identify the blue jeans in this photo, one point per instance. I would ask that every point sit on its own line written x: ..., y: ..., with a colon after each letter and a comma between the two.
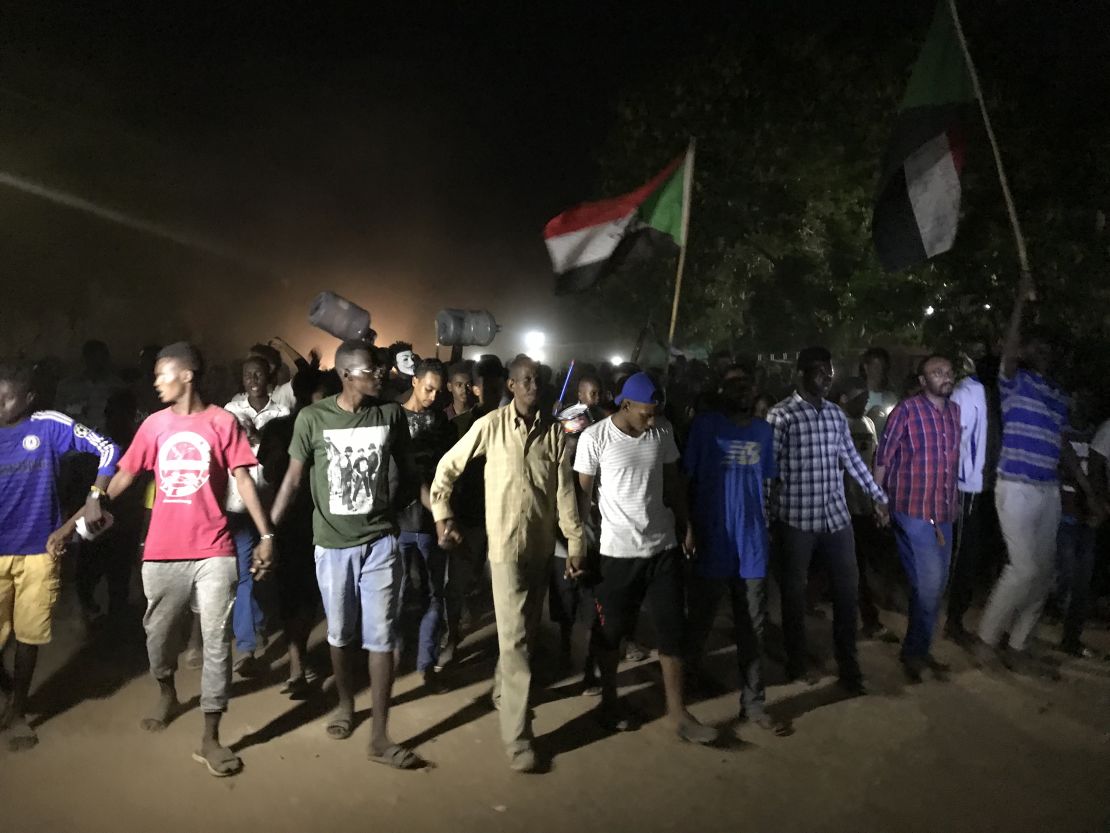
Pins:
x: 434, y: 619
x: 1075, y: 564
x: 247, y: 620
x: 926, y: 560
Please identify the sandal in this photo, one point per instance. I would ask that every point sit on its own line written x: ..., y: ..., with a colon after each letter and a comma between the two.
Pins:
x: 694, y: 732
x: 296, y: 688
x: 398, y: 757
x: 340, y: 727
x: 228, y: 763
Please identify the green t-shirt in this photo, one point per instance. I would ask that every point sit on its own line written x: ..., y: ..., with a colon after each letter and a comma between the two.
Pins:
x: 349, y: 456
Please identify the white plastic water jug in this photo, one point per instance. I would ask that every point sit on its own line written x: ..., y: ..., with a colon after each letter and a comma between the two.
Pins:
x: 336, y: 315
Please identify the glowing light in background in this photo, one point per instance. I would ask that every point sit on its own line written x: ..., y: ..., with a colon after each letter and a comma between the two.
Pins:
x: 615, y: 360
x: 534, y: 341
x: 929, y: 310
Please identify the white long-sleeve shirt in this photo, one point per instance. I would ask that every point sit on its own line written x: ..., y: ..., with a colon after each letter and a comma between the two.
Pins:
x: 972, y: 399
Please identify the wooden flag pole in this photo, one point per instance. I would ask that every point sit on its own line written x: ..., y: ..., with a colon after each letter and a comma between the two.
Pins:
x: 687, y: 183
x: 1019, y: 239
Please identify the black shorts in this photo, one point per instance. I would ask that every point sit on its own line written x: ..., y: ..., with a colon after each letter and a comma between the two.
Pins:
x: 626, y: 583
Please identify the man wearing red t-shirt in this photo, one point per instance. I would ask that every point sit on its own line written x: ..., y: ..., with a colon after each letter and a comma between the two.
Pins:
x: 189, y: 556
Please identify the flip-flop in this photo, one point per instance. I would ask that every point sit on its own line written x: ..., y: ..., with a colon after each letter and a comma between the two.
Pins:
x: 340, y: 727
x: 398, y: 757
x: 697, y: 733
x: 297, y: 688
x: 230, y: 758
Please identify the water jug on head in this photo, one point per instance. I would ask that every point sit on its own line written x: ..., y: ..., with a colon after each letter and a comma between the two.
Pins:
x: 336, y: 315
x: 457, y: 327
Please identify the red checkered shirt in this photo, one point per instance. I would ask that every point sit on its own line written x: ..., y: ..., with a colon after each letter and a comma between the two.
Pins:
x: 920, y: 450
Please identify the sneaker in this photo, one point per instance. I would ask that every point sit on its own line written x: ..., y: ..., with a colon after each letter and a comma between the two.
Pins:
x: 634, y: 652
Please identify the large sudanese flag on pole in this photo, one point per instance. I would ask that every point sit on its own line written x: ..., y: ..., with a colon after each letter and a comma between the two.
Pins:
x: 590, y: 240
x: 917, y: 210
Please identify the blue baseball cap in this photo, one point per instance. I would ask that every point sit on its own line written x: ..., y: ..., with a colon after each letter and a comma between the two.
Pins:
x: 639, y: 388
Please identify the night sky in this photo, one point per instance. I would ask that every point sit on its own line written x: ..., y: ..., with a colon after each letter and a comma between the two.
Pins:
x: 404, y: 155
x: 405, y: 159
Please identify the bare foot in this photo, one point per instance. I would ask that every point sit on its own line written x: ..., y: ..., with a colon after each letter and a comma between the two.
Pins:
x: 163, y: 712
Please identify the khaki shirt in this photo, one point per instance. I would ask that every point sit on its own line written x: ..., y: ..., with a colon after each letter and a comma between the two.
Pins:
x: 528, y: 480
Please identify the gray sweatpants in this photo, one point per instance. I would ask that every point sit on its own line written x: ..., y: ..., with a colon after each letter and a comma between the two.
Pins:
x: 207, y: 587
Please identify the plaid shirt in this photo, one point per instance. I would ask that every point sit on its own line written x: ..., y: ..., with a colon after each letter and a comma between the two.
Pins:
x: 813, y: 449
x: 920, y: 451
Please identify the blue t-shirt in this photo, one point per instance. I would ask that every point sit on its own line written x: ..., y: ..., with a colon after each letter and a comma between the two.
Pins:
x: 727, y: 466
x: 30, y: 455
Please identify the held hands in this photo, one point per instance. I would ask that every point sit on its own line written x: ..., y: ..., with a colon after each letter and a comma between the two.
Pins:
x: 882, y: 515
x: 689, y: 544
x: 262, y: 560
x: 448, y: 533
x: 58, y: 541
x: 576, y: 567
x: 94, y: 513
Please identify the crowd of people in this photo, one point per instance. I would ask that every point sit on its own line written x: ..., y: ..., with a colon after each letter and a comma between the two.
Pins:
x: 389, y: 477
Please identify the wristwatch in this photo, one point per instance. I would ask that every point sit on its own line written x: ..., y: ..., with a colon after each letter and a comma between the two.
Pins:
x: 100, y: 495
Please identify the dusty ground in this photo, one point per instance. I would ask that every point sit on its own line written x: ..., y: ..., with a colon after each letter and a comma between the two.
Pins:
x: 978, y: 753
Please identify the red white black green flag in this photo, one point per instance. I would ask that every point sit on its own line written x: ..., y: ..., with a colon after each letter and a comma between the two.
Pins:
x: 918, y: 207
x: 590, y: 240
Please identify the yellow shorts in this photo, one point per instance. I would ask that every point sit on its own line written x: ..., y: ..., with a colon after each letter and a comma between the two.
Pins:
x: 28, y: 590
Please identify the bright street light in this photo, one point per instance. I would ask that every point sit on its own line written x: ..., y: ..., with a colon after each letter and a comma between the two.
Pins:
x: 929, y: 310
x: 615, y: 360
x: 534, y: 340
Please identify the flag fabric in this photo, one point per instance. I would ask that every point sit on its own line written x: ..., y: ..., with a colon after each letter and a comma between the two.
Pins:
x: 918, y: 206
x: 590, y: 240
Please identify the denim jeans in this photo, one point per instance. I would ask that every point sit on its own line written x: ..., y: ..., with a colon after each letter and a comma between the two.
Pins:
x: 433, y: 621
x: 838, y: 551
x: 247, y: 621
x: 1075, y: 562
x: 926, y: 553
x: 749, y: 613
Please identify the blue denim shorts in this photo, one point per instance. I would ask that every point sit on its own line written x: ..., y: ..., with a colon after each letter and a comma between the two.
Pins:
x: 360, y: 587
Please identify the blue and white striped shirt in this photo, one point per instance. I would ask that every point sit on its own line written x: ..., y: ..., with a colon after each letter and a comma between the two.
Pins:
x: 1034, y: 413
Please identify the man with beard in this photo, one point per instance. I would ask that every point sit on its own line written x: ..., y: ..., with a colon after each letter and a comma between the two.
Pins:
x: 918, y: 458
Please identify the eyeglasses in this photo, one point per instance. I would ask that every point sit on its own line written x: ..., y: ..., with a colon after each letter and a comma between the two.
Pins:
x: 378, y: 373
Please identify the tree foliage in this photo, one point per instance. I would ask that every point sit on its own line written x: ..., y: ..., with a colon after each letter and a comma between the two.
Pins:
x: 791, y: 116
